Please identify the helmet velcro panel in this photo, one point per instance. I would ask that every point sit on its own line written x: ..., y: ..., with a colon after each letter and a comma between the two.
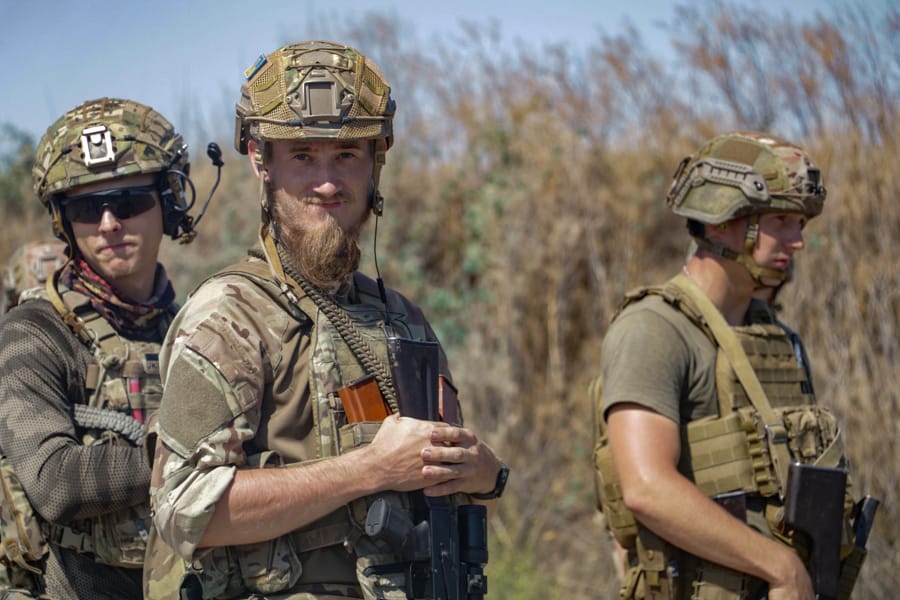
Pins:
x: 266, y: 96
x: 105, y: 139
x: 317, y: 91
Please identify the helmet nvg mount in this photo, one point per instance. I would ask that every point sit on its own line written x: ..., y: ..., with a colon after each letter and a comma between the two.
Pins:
x: 317, y: 90
x: 110, y: 138
x: 745, y: 174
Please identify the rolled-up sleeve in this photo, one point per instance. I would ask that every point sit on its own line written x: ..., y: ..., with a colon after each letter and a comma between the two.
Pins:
x: 214, y: 378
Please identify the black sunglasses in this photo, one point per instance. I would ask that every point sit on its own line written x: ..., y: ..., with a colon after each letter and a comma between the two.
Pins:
x: 124, y: 203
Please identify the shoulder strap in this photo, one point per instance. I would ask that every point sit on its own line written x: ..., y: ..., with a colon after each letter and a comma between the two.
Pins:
x: 357, y: 343
x: 675, y: 297
x: 86, y: 323
x: 727, y: 340
x: 107, y: 349
x: 68, y: 313
x: 310, y: 300
x: 260, y: 274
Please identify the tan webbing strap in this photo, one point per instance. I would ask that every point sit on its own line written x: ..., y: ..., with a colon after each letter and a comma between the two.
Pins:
x: 833, y: 454
x: 93, y: 330
x: 323, y: 537
x: 774, y: 425
x: 85, y: 322
x: 68, y: 315
x: 273, y: 260
x: 723, y: 379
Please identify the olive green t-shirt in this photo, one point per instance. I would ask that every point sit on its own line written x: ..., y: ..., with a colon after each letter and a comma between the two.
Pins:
x: 654, y: 356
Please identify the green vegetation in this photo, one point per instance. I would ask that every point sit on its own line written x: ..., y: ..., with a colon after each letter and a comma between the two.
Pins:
x: 525, y: 195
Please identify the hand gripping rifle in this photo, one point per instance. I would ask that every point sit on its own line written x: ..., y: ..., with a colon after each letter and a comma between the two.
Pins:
x: 446, y: 547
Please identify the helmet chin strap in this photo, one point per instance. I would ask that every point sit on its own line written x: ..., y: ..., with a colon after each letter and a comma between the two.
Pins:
x: 757, y: 272
x: 59, y: 227
x: 266, y: 239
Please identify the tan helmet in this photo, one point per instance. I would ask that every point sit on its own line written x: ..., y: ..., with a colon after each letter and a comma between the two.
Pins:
x: 107, y: 139
x: 316, y: 90
x: 746, y: 173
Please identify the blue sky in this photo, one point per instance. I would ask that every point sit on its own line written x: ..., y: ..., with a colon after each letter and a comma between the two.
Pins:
x: 185, y: 58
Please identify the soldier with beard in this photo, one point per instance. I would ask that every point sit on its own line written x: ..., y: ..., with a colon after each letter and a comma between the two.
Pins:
x: 261, y: 483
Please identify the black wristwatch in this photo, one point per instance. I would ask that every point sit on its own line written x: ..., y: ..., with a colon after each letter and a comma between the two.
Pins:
x: 502, y: 476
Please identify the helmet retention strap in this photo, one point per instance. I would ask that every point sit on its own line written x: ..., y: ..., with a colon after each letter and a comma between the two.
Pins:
x: 746, y: 258
x: 756, y: 271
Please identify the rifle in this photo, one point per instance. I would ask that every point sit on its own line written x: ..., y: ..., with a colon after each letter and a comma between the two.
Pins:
x: 446, y: 548
x: 814, y: 516
x: 814, y: 508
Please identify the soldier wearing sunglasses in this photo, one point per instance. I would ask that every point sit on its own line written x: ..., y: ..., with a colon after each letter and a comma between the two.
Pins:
x: 79, y: 376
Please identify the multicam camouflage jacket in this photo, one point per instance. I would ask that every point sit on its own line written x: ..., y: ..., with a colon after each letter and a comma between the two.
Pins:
x: 249, y: 381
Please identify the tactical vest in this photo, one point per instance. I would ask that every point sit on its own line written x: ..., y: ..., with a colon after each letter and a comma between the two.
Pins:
x: 300, y: 560
x: 723, y: 454
x: 124, y: 388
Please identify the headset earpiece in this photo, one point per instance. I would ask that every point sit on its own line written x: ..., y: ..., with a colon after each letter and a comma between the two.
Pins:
x: 174, y: 203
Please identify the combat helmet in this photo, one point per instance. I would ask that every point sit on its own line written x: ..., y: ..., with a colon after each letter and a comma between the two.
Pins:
x: 317, y: 90
x: 109, y: 138
x: 29, y: 267
x: 745, y: 174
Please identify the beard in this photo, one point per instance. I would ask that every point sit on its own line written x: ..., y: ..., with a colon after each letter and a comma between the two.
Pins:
x: 325, y: 255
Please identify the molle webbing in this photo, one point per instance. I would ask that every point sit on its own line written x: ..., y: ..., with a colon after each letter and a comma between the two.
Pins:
x: 343, y: 526
x: 734, y: 451
x: 122, y: 381
x: 728, y: 343
x: 114, y: 357
x: 720, y: 456
x: 770, y: 353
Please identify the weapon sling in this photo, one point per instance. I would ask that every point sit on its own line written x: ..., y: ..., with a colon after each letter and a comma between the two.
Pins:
x: 445, y: 580
x: 344, y: 326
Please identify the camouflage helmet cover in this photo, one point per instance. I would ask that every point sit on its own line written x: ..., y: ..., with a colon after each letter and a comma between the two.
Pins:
x: 105, y: 139
x: 315, y: 90
x: 30, y: 266
x: 746, y: 173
